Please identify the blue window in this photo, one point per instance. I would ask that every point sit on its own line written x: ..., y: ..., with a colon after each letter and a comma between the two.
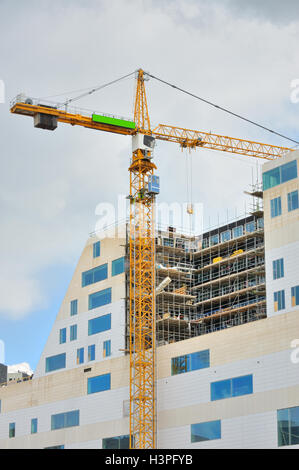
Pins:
x: 80, y: 356
x: 95, y: 275
x: 271, y: 178
x: 103, y: 297
x: 279, y: 175
x: 12, y: 430
x: 214, y: 239
x: 293, y: 201
x: 99, y: 383
x: 118, y: 266
x: 91, y: 352
x: 278, y: 269
x: 96, y: 249
x: 189, y: 362
x: 279, y: 300
x: 118, y: 442
x: 99, y: 324
x: 107, y: 348
x: 225, y: 236
x: 34, y: 426
x: 65, y: 420
x: 74, y: 307
x: 232, y: 387
x: 260, y: 223
x: 73, y: 332
x: 205, y: 243
x: 275, y: 207
x: 62, y: 336
x: 288, y: 426
x: 55, y: 447
x: 238, y: 231
x: 206, y: 431
x: 288, y: 171
x: 250, y: 227
x: 55, y: 362
x: 295, y: 295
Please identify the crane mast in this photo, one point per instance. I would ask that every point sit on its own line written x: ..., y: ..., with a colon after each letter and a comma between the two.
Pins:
x: 142, y: 281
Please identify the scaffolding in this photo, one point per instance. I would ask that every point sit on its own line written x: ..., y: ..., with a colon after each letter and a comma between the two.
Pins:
x: 213, y: 281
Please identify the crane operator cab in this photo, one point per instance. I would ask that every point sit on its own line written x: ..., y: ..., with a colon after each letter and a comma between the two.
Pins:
x: 143, y: 142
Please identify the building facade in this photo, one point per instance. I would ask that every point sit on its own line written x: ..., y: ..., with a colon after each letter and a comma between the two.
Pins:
x: 227, y: 335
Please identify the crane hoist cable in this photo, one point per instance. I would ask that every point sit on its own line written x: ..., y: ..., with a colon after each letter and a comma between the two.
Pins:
x: 224, y: 109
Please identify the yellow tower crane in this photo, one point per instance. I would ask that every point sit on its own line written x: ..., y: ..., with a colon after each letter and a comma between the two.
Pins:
x: 144, y: 186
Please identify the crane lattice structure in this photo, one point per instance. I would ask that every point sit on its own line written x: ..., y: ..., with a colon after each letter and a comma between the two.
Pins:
x: 144, y: 187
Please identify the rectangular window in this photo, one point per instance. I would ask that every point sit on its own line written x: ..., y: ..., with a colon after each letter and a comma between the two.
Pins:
x: 91, y: 352
x: 55, y: 447
x: 34, y: 426
x: 168, y: 242
x: 250, y: 227
x: 278, y: 269
x: 206, y: 431
x: 12, y: 430
x: 279, y: 300
x: 271, y: 178
x: 275, y: 207
x: 118, y: 442
x: 293, y: 201
x: 99, y: 324
x: 288, y: 426
x: 232, y: 387
x: 238, y: 231
x: 95, y: 275
x: 103, y: 297
x: 55, y: 362
x: 107, y: 348
x: 73, y: 332
x: 225, y: 236
x: 62, y: 336
x: 214, y: 239
x: 279, y: 175
x: 74, y: 307
x: 288, y: 171
x: 99, y: 383
x: 96, y: 249
x: 295, y: 296
x: 80, y: 356
x: 118, y: 266
x: 190, y: 362
x: 260, y: 223
x: 65, y: 420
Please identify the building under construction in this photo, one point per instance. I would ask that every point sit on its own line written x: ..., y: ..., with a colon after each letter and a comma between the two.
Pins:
x: 227, y: 322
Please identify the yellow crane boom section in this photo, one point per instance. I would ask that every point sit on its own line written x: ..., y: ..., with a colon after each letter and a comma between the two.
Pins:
x: 186, y: 138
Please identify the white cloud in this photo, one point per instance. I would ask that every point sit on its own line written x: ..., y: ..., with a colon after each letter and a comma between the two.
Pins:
x: 51, y: 182
x: 22, y: 367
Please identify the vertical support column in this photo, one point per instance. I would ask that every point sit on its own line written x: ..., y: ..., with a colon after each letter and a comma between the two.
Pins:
x: 142, y: 306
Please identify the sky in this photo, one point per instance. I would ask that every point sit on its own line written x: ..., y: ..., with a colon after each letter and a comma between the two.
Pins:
x: 241, y: 55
